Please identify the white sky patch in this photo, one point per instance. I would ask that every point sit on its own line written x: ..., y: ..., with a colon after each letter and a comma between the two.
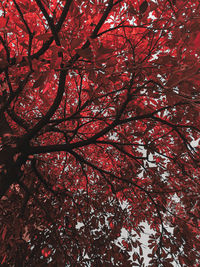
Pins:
x: 195, y: 143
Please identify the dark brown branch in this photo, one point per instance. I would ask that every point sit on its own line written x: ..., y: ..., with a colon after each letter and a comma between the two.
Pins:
x: 22, y: 17
x: 6, y: 48
x: 62, y: 79
x: 20, y: 88
x: 29, y: 33
x: 8, y: 81
x: 22, y: 123
x: 52, y: 109
x: 102, y: 20
x: 50, y: 21
x: 47, y: 44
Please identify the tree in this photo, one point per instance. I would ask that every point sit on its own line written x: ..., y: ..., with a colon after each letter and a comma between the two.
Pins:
x: 99, y: 127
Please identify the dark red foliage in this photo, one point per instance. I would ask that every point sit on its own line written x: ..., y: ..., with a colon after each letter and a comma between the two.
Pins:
x: 99, y: 132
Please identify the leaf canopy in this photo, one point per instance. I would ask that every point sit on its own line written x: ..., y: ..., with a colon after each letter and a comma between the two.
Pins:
x: 99, y: 132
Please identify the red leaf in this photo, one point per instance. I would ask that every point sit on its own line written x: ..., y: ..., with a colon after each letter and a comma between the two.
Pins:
x: 4, y: 258
x: 76, y: 42
x: 3, y: 22
x: 40, y: 81
x: 21, y: 26
x: 4, y: 232
x: 143, y: 7
x: 85, y: 53
x: 104, y: 50
x: 44, y: 37
x: 46, y: 252
x: 197, y: 41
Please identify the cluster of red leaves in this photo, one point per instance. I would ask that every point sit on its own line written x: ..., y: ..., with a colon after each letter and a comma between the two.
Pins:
x: 99, y: 127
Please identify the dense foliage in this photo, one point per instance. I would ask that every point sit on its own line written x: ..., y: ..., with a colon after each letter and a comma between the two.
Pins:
x: 99, y: 132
